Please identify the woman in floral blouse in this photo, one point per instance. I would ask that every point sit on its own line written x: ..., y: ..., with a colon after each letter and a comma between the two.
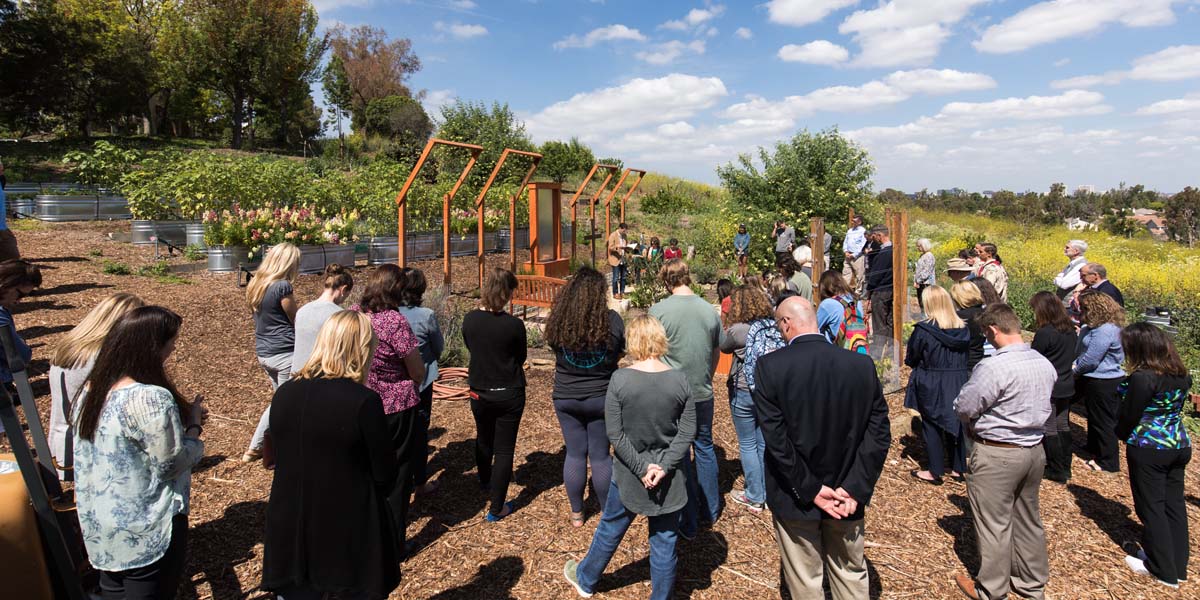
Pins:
x: 925, y: 274
x: 136, y: 441
x: 396, y: 374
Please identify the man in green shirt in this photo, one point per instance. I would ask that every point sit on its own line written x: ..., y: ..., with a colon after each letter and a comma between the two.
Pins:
x: 694, y: 334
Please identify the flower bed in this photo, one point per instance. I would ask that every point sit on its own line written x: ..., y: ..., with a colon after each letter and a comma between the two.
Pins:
x: 256, y: 229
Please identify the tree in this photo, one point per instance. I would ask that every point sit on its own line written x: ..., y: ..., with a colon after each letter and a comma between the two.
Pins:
x: 495, y: 128
x: 812, y: 175
x: 1057, y: 205
x: 403, y: 122
x: 563, y: 160
x: 1182, y: 214
x: 291, y: 63
x: 374, y: 67
x: 336, y: 84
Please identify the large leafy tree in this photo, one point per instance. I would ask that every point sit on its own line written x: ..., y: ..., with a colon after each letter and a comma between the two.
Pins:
x: 1182, y: 213
x: 403, y: 122
x: 336, y: 84
x: 373, y: 66
x: 494, y: 127
x: 564, y: 160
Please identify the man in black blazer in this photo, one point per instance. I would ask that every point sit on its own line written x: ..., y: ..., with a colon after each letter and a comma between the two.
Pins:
x: 825, y: 424
x: 1095, y: 276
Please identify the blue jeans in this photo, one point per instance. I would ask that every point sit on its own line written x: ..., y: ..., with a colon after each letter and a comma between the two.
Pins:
x: 614, y: 522
x: 704, y: 495
x: 751, y: 446
x: 618, y: 278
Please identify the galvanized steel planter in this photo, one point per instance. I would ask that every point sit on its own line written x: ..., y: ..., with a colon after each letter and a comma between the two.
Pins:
x: 225, y: 259
x: 56, y: 208
x: 194, y: 234
x: 176, y: 232
x: 383, y: 249
x: 22, y: 206
x: 314, y: 258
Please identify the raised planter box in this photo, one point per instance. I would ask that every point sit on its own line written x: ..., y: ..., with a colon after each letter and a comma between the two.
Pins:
x: 226, y: 259
x: 176, y: 232
x: 383, y: 249
x: 314, y: 258
x: 22, y: 206
x: 56, y: 208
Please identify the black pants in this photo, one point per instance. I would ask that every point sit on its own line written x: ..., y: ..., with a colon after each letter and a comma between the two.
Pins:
x: 403, y: 427
x: 882, y: 321
x: 920, y: 300
x: 497, y: 417
x: 937, y: 442
x: 1057, y: 440
x: 420, y: 474
x: 1102, y: 400
x: 156, y: 581
x: 1156, y: 478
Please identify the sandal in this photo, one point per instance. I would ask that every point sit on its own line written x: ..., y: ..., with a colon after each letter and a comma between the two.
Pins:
x: 577, y: 519
x: 917, y: 475
x: 1093, y: 465
x: 491, y: 518
x: 251, y: 455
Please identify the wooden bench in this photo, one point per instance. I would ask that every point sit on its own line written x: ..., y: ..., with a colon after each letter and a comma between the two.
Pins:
x: 534, y: 290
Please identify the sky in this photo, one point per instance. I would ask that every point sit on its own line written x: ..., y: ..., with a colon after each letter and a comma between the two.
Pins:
x: 976, y: 94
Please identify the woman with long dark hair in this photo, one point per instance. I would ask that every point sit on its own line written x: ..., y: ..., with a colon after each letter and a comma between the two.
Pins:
x: 136, y: 441
x: 328, y: 528
x: 588, y: 340
x: 938, y: 354
x: 1157, y: 450
x: 1098, y: 360
x: 748, y: 306
x: 429, y: 335
x: 1055, y: 339
x: 396, y: 372
x: 496, y: 376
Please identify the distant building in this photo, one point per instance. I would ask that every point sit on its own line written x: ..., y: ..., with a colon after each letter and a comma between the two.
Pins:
x: 989, y: 194
x: 954, y: 191
x: 1085, y: 189
x: 1145, y: 212
x: 1153, y: 223
x: 1077, y: 224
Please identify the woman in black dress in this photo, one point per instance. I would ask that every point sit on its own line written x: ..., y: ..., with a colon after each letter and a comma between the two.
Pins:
x: 1055, y: 339
x: 328, y: 528
x: 938, y: 354
x: 968, y: 301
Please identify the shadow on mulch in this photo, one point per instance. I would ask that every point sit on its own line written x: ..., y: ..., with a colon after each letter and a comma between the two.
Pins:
x: 540, y: 472
x: 1193, y: 499
x: 68, y: 288
x: 697, y: 562
x: 208, y: 462
x: 28, y: 307
x: 962, y: 529
x: 57, y: 259
x: 229, y: 541
x: 494, y: 580
x: 38, y: 331
x: 1110, y: 516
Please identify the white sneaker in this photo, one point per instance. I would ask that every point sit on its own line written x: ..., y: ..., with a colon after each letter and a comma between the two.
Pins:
x: 1138, y: 566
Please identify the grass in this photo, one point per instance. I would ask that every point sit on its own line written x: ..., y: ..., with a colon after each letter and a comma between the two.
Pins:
x: 109, y: 267
x: 160, y: 271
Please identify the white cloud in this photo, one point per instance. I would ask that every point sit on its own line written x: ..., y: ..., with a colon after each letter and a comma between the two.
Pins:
x: 608, y: 33
x: 1189, y: 104
x: 436, y: 99
x: 841, y: 98
x: 934, y: 81
x: 667, y: 53
x: 1171, y: 64
x: 695, y: 18
x: 1062, y: 62
x: 1178, y: 140
x: 820, y: 52
x: 1068, y: 104
x: 460, y: 31
x: 912, y: 149
x: 744, y: 33
x: 1051, y: 21
x: 638, y: 103
x: 324, y: 6
x: 675, y: 129
x: 904, y: 32
x: 461, y: 4
x: 803, y: 12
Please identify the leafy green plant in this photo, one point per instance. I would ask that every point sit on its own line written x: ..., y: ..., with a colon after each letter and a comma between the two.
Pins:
x: 104, y: 166
x: 194, y: 252
x: 449, y: 314
x: 95, y: 253
x: 703, y: 272
x: 115, y: 268
x: 534, y: 337
x: 161, y: 272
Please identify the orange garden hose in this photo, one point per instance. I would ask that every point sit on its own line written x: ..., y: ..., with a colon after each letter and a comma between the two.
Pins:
x: 444, y: 390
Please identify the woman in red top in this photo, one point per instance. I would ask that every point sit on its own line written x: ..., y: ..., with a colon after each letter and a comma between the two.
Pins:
x: 673, y: 250
x: 396, y: 372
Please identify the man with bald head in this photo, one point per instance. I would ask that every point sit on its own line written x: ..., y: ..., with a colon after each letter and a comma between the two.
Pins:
x: 825, y: 424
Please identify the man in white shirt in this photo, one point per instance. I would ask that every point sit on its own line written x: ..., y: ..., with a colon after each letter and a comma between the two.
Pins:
x: 1069, y: 278
x: 853, y: 246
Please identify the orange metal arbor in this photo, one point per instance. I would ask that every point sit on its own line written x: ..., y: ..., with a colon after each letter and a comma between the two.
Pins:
x: 575, y: 209
x: 512, y: 206
x: 608, y: 202
x: 402, y: 197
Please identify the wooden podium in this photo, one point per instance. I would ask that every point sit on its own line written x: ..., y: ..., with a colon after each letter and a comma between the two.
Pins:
x: 545, y: 231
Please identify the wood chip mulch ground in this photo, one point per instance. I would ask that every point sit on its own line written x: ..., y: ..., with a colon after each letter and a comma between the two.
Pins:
x: 918, y: 536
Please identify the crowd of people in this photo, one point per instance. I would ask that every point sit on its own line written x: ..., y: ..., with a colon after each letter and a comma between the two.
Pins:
x: 348, y: 423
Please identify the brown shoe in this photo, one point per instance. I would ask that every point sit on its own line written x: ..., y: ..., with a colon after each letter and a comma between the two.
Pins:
x: 967, y: 586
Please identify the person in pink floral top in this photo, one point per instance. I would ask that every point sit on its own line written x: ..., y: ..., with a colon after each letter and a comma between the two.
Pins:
x: 396, y: 374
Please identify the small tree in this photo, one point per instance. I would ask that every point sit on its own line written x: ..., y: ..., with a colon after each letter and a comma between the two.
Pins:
x: 563, y: 160
x: 403, y: 122
x: 1182, y: 214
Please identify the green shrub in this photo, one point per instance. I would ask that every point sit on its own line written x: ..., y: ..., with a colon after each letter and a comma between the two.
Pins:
x: 534, y: 337
x: 703, y: 272
x: 194, y: 252
x: 667, y: 201
x: 115, y: 268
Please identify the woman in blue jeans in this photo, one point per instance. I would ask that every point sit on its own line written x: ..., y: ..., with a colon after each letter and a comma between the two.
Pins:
x: 588, y: 339
x: 650, y: 417
x: 747, y: 305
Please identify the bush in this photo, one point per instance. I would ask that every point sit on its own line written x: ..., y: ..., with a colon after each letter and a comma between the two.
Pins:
x: 667, y: 201
x: 534, y: 337
x: 703, y: 273
x: 115, y: 268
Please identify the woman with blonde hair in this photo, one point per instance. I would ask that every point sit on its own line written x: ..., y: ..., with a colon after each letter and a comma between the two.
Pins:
x: 968, y: 301
x: 496, y: 376
x: 1099, y: 373
x: 328, y: 528
x: 274, y: 309
x: 70, y: 365
x: 938, y: 354
x: 650, y: 416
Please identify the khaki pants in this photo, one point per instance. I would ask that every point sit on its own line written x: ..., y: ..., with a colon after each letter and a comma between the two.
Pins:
x: 852, y: 270
x: 1003, y: 486
x: 809, y: 549
x: 8, y: 245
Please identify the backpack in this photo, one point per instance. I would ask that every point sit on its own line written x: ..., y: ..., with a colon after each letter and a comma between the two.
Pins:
x: 852, y: 335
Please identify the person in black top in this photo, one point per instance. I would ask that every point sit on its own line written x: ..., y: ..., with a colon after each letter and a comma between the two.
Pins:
x: 1095, y: 276
x: 328, y: 525
x: 1056, y: 339
x: 1157, y: 448
x: 969, y: 304
x: 496, y: 376
x: 588, y: 339
x: 879, y: 284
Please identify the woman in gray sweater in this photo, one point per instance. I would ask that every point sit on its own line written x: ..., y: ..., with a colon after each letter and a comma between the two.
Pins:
x: 651, y: 421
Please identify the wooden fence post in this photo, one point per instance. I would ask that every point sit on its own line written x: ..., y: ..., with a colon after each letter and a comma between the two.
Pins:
x: 816, y: 241
x: 898, y: 226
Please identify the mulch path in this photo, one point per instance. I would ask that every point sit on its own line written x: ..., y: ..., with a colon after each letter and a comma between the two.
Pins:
x: 918, y: 536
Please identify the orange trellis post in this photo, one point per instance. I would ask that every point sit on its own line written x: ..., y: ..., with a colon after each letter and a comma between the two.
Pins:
x: 641, y: 173
x: 575, y: 200
x: 512, y: 206
x: 402, y: 197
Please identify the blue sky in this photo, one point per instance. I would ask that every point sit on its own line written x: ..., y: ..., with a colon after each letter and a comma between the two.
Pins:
x: 979, y: 94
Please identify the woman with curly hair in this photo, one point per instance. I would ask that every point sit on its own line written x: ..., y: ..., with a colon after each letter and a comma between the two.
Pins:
x: 1098, y: 359
x: 747, y: 305
x: 588, y: 339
